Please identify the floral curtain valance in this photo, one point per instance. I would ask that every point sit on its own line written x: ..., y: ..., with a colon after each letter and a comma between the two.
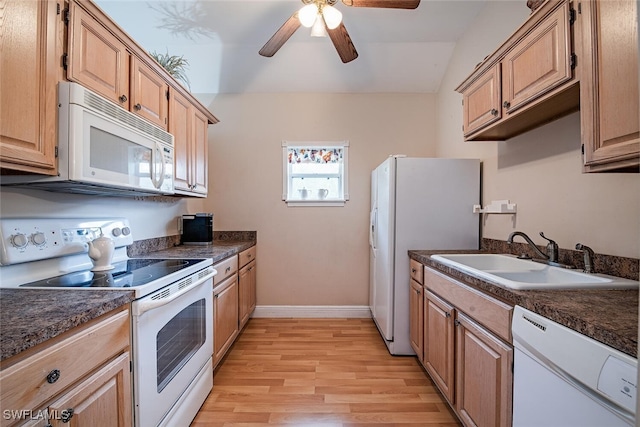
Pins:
x: 314, y: 155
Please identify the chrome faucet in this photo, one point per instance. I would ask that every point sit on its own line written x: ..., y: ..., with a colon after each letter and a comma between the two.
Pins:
x: 588, y: 257
x: 552, y: 247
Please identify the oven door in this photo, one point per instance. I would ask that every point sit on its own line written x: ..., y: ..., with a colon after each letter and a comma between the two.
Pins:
x: 172, y: 342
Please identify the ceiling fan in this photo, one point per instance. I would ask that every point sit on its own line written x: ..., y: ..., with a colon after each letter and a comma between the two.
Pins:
x: 324, y: 19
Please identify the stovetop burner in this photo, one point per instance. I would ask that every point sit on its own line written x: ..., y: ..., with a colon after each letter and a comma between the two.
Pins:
x: 126, y: 274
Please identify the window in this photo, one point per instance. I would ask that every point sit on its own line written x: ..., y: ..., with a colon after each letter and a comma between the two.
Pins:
x: 315, y: 173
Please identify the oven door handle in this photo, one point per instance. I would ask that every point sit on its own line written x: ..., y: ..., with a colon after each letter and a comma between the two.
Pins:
x: 144, y: 305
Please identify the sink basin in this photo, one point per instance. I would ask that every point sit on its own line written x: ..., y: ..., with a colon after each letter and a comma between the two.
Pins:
x: 514, y: 273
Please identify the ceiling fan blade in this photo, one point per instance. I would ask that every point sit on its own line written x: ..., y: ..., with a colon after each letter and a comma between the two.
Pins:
x: 341, y: 40
x: 388, y: 4
x: 281, y: 36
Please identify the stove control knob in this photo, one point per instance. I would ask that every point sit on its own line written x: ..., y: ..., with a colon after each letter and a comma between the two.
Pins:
x: 126, y: 231
x: 19, y: 240
x: 116, y: 232
x: 38, y: 239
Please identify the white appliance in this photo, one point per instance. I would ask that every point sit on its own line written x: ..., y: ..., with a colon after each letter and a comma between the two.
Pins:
x: 104, y: 150
x: 416, y: 203
x: 562, y: 378
x: 172, y: 313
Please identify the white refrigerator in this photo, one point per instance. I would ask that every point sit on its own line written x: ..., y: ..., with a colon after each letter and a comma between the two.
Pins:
x: 416, y: 203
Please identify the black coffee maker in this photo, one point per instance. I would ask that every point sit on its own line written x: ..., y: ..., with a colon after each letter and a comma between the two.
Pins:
x: 197, y: 229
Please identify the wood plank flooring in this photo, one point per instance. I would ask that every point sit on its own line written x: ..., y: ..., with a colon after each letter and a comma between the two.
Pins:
x: 320, y: 372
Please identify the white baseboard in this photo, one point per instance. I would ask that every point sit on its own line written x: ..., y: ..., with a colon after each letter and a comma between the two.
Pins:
x: 313, y: 311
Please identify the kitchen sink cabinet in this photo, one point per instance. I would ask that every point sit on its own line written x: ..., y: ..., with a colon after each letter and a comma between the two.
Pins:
x: 189, y: 128
x: 52, y: 379
x: 247, y: 284
x: 483, y: 376
x: 468, y: 351
x: 610, y: 113
x: 30, y: 55
x: 527, y: 82
x: 225, y: 317
x: 439, y: 343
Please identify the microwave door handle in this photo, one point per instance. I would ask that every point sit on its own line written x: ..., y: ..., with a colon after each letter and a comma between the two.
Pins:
x: 157, y: 181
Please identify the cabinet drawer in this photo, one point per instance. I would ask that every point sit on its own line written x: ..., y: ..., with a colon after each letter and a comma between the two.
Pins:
x: 25, y: 384
x: 225, y: 269
x: 490, y: 312
x: 247, y: 256
x: 415, y: 270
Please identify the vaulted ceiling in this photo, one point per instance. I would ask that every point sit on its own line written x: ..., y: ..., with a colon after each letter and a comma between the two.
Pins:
x: 399, y: 50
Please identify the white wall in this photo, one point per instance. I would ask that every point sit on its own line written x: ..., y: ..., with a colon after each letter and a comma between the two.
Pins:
x: 148, y: 218
x: 539, y: 170
x: 308, y: 255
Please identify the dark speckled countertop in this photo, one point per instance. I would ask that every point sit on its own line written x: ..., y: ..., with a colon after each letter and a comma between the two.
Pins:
x: 31, y: 316
x: 608, y: 316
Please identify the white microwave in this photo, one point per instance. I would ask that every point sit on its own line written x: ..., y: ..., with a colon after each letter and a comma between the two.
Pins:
x: 104, y: 150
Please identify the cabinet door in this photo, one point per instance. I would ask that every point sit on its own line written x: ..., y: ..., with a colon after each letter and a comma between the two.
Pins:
x: 97, y: 59
x: 180, y: 127
x: 200, y: 160
x: 253, y: 274
x: 149, y: 94
x: 484, y: 376
x: 102, y: 399
x: 439, y: 343
x: 481, y: 101
x: 609, y: 111
x: 416, y: 318
x: 225, y: 317
x: 539, y: 62
x: 246, y: 282
x: 29, y: 64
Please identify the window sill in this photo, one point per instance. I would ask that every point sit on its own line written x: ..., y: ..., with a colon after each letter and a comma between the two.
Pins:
x: 325, y: 202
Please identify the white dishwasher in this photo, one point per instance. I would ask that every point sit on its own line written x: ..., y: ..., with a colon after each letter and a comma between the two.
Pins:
x: 562, y: 378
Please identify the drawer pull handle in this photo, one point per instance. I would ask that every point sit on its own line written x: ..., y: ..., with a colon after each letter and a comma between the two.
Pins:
x: 413, y: 270
x: 227, y: 270
x: 53, y: 376
x: 66, y: 415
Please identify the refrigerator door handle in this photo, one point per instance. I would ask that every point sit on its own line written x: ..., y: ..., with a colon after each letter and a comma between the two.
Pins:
x: 372, y: 227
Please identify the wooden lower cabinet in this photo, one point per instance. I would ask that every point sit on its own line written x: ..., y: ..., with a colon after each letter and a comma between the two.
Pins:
x: 247, y: 296
x: 483, y: 376
x: 470, y: 359
x: 103, y: 399
x: 439, y: 343
x: 416, y: 316
x: 83, y: 376
x: 225, y: 317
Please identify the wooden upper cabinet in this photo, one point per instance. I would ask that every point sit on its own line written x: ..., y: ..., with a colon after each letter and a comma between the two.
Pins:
x: 539, y: 63
x: 149, y: 94
x: 610, y: 113
x: 28, y: 95
x: 527, y: 82
x: 97, y: 59
x: 481, y: 101
x: 189, y: 127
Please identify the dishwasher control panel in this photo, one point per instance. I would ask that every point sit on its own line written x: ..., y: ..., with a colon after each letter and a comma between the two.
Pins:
x: 618, y: 380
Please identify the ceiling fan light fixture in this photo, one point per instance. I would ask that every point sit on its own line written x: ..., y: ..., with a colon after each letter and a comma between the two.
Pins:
x: 318, y: 29
x: 308, y: 14
x: 332, y: 16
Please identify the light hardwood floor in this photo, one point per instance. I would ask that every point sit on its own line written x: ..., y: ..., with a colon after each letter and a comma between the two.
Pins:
x: 320, y: 372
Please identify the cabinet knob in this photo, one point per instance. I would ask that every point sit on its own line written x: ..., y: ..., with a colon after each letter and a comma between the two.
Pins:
x: 506, y: 104
x: 53, y: 376
x: 413, y: 270
x: 66, y: 415
x: 494, y: 112
x: 447, y: 314
x: 123, y: 98
x: 137, y: 107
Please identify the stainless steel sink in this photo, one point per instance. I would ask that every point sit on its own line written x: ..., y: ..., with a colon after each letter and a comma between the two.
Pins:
x: 514, y: 273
